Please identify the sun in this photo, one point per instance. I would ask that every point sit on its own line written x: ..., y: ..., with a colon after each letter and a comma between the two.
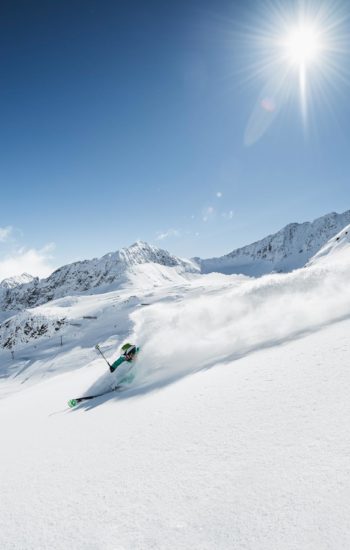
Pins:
x: 303, y: 45
x: 302, y: 48
x: 296, y: 51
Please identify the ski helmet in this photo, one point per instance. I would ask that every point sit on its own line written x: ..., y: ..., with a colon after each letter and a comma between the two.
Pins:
x: 127, y: 347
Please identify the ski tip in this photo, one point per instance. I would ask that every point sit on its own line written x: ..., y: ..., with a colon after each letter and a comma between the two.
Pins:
x: 72, y: 403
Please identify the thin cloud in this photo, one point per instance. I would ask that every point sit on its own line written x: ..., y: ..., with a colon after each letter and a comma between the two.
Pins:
x: 37, y: 262
x: 5, y: 233
x: 167, y: 234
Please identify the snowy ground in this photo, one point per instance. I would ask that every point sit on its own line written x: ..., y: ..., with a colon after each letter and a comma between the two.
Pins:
x: 233, y: 435
x: 252, y: 454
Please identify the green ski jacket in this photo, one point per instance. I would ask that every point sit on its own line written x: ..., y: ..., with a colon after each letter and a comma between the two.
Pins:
x: 121, y: 360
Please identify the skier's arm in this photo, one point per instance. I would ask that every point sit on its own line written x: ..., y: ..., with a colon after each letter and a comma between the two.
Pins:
x: 116, y: 363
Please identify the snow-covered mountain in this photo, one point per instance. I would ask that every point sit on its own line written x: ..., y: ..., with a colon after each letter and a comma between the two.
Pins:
x: 145, y: 265
x: 16, y: 280
x: 114, y: 269
x: 142, y: 266
x: 288, y: 249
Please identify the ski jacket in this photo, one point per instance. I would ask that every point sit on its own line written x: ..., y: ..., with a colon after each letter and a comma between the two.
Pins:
x: 122, y: 360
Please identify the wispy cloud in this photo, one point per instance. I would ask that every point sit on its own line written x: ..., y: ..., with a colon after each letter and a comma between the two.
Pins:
x: 219, y: 194
x: 37, y: 262
x: 169, y: 233
x: 5, y: 233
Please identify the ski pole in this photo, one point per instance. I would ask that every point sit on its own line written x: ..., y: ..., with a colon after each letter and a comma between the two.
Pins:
x: 98, y: 349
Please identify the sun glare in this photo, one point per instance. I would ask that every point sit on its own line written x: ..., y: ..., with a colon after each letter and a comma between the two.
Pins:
x: 296, y: 51
x: 303, y: 45
x: 302, y: 48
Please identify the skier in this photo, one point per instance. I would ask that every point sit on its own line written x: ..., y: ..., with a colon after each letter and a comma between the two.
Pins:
x: 128, y: 353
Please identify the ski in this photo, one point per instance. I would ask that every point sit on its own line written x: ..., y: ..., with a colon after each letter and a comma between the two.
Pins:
x: 75, y: 401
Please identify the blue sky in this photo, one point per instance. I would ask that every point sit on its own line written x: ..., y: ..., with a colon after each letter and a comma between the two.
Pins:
x: 127, y: 120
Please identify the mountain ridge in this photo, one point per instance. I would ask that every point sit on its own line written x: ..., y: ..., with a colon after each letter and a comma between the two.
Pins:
x: 289, y: 248
x: 114, y: 268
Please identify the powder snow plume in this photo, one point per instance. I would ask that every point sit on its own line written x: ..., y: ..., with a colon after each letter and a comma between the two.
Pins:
x: 180, y: 338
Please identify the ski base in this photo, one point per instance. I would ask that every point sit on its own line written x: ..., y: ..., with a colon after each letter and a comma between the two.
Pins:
x: 74, y: 402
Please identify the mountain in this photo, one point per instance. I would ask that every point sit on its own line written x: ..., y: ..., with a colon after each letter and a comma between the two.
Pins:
x: 17, y: 280
x: 290, y: 248
x: 145, y: 266
x: 141, y: 264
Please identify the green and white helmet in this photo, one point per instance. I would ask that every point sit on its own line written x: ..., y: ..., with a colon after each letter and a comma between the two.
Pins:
x: 126, y: 348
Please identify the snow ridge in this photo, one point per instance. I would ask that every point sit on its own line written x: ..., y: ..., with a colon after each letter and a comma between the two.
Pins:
x: 115, y: 268
x: 288, y: 249
x: 334, y: 250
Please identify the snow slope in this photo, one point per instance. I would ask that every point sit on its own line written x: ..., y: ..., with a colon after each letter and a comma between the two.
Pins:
x: 251, y: 454
x: 234, y: 433
x: 288, y: 249
x: 335, y: 250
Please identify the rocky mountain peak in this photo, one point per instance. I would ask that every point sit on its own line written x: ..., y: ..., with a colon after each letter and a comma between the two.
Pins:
x: 16, y: 280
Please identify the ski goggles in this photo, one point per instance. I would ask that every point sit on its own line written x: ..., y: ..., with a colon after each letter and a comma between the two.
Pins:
x: 130, y: 351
